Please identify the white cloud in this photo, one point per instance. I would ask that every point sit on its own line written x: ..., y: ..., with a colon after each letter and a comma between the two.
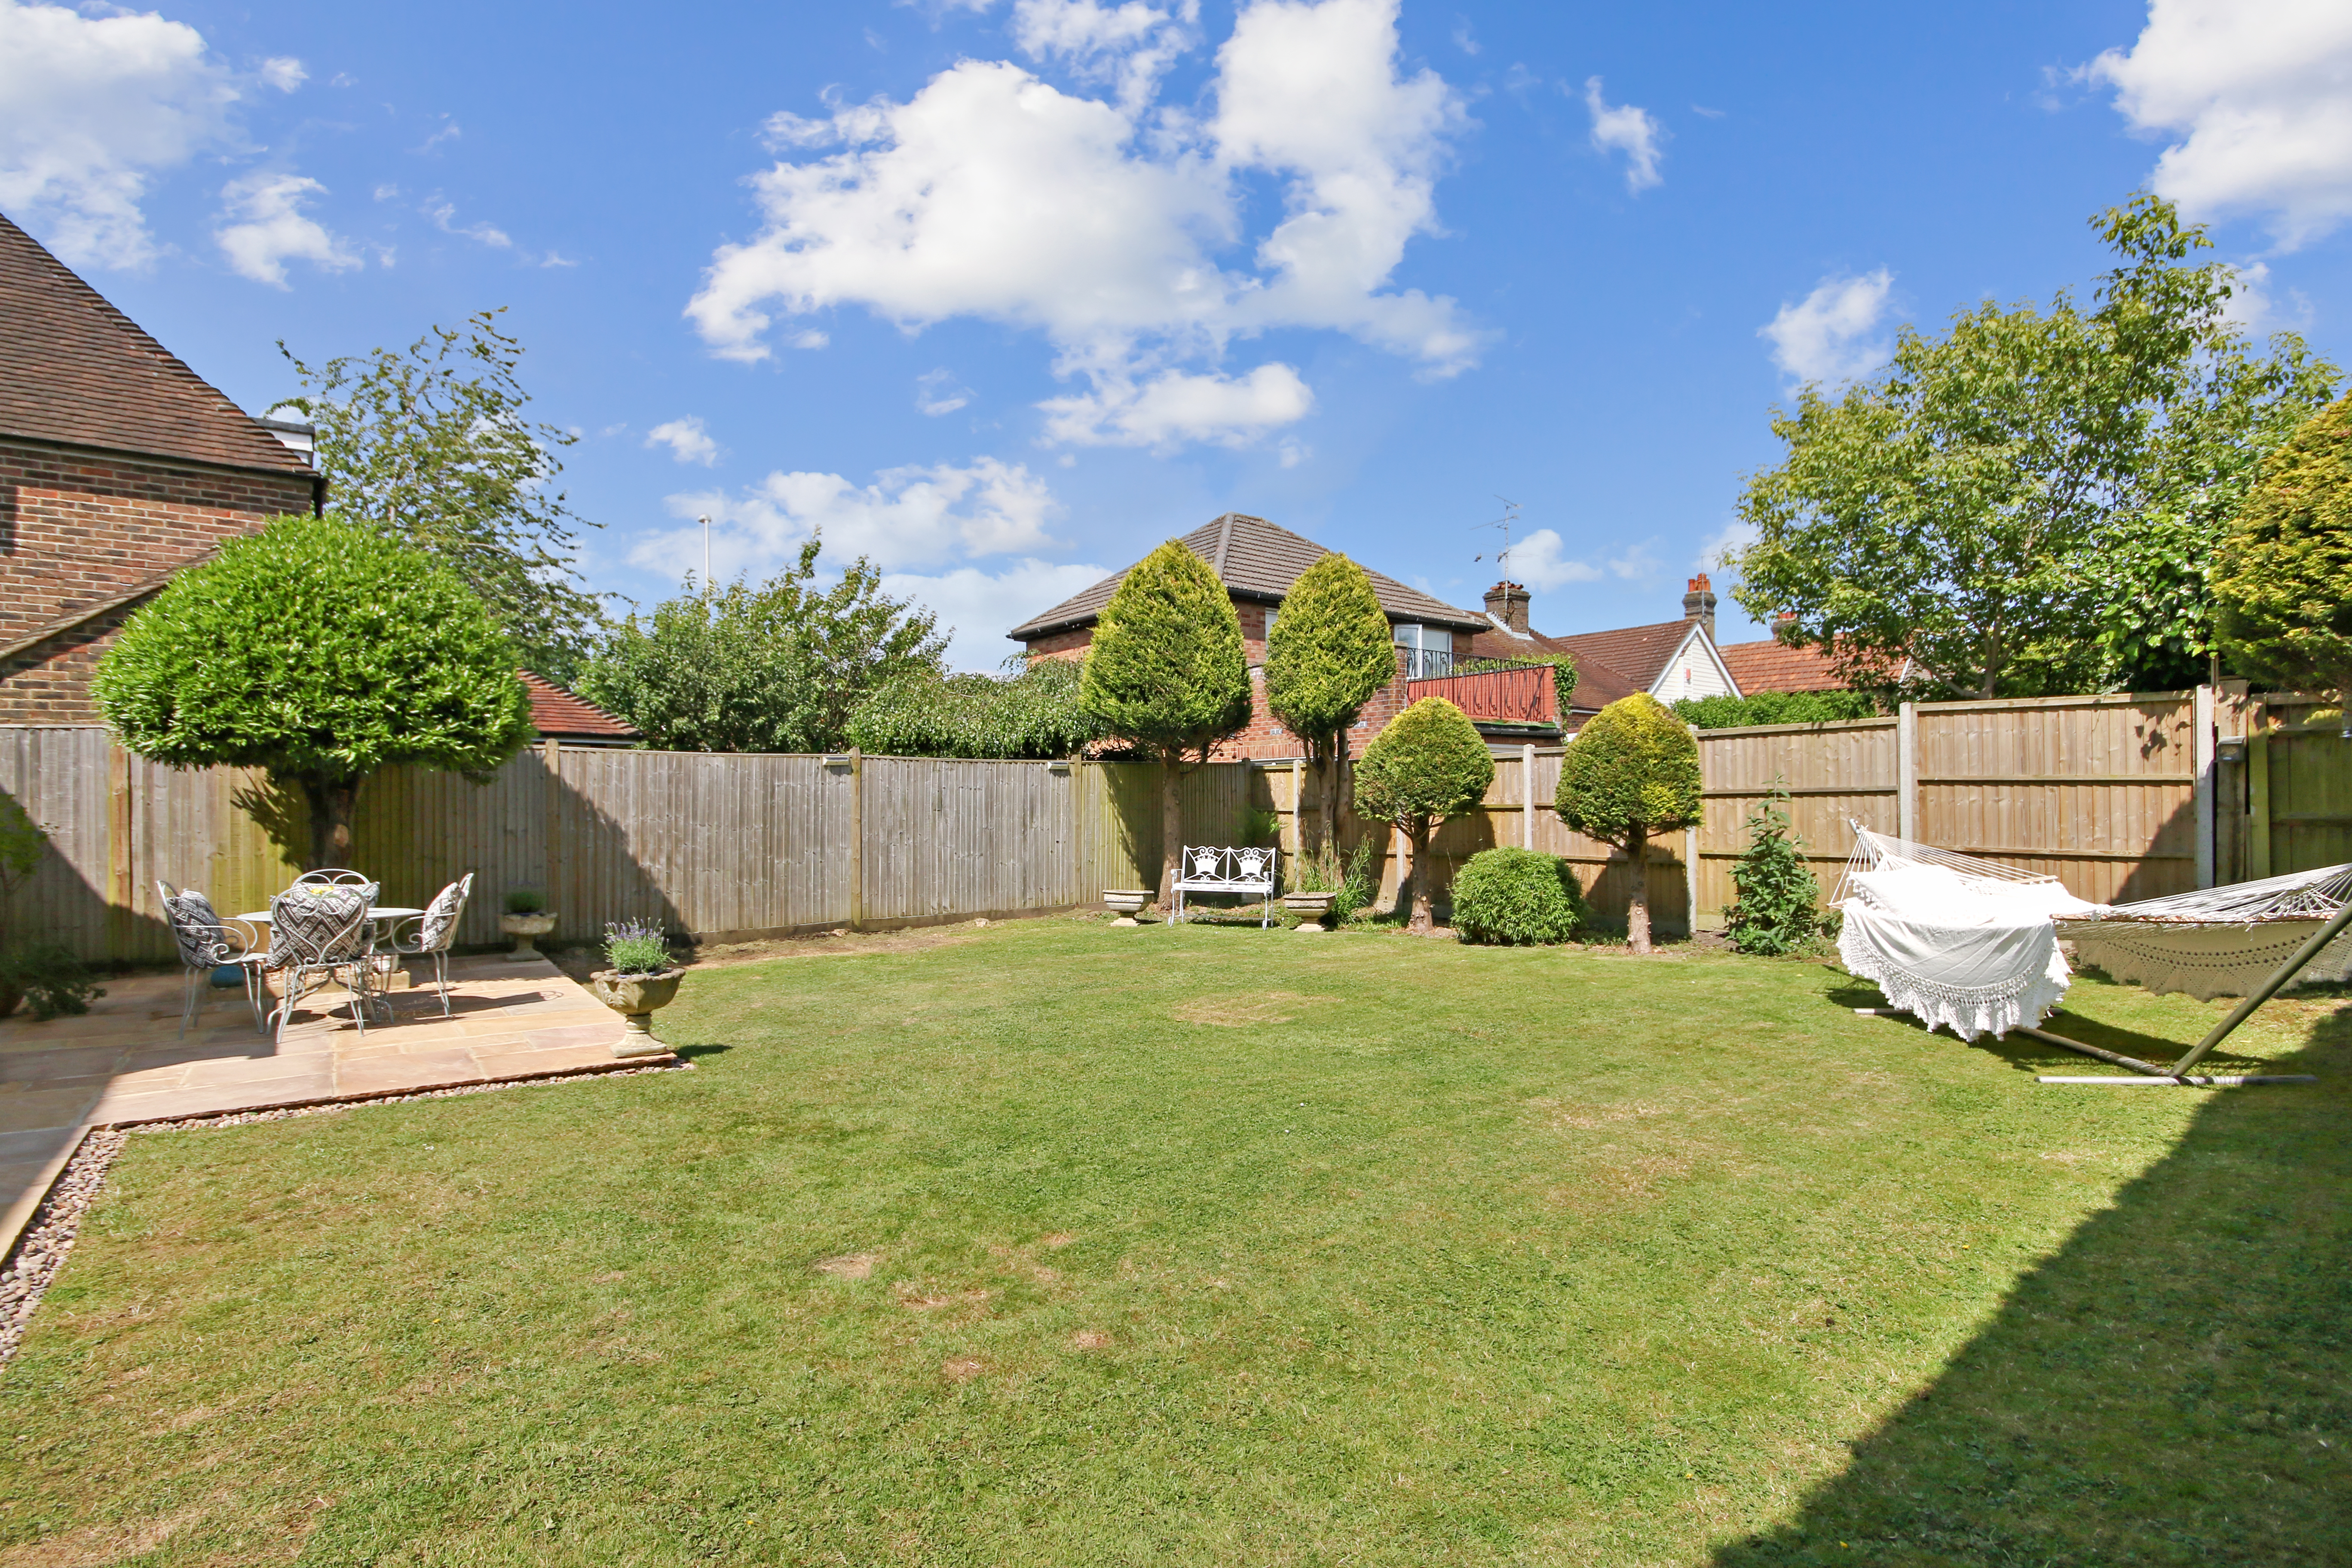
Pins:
x: 445, y: 219
x: 810, y: 338
x: 2262, y: 92
x: 284, y: 73
x: 994, y: 194
x: 1828, y: 335
x: 1132, y: 45
x: 1540, y: 561
x: 981, y: 607
x: 687, y: 441
x: 1625, y: 129
x: 89, y: 109
x: 262, y: 227
x: 909, y: 517
x: 1174, y: 407
x: 937, y: 393
x: 1715, y: 554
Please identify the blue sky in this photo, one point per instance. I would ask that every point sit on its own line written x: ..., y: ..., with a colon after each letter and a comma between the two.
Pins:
x: 1005, y: 293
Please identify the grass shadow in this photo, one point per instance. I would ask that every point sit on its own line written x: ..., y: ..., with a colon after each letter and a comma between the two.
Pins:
x: 2172, y: 1386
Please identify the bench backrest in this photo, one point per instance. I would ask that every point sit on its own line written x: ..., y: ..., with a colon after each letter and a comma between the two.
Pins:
x: 1217, y: 869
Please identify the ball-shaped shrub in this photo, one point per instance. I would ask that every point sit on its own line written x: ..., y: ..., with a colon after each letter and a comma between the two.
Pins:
x: 1516, y: 898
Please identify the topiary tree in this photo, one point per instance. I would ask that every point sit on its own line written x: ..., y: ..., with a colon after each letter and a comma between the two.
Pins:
x: 1516, y: 898
x: 318, y: 652
x: 1166, y: 673
x: 1330, y: 649
x: 1778, y: 908
x: 2283, y: 577
x: 1632, y: 771
x: 1427, y: 767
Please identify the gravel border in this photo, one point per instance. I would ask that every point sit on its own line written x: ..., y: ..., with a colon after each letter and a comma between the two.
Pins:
x: 33, y: 1263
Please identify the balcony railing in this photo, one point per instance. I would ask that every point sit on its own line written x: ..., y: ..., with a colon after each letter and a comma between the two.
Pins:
x: 1426, y: 663
x: 1521, y: 694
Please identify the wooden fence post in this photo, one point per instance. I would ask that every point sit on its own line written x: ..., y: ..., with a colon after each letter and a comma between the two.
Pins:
x: 121, y: 849
x: 2258, y: 804
x: 1527, y: 795
x: 856, y: 838
x: 2205, y: 753
x: 550, y: 755
x: 1907, y: 771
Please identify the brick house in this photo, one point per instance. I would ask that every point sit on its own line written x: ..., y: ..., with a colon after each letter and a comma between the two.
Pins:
x: 119, y: 466
x: 1258, y: 563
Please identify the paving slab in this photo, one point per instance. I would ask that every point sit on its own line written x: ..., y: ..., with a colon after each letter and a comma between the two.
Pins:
x: 125, y: 1060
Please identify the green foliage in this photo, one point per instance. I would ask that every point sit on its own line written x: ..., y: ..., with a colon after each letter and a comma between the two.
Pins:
x: 1262, y: 827
x: 21, y: 842
x: 1426, y: 767
x: 776, y: 668
x: 637, y: 947
x: 2283, y: 575
x: 1330, y: 650
x: 2001, y: 493
x: 1312, y: 874
x: 1360, y: 887
x: 320, y: 653
x: 1632, y: 772
x: 1779, y: 907
x: 1776, y: 708
x: 1563, y: 672
x: 525, y: 900
x: 48, y: 975
x: 430, y: 446
x: 1518, y: 897
x: 1166, y: 671
x: 1033, y: 714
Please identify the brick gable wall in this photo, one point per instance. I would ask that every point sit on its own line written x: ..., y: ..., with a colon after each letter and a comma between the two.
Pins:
x: 79, y: 527
x: 1263, y: 738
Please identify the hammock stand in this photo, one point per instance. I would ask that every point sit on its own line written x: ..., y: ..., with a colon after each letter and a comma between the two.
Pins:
x: 2297, y: 897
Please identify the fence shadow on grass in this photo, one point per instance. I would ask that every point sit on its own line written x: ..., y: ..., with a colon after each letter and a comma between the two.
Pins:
x: 2173, y: 1385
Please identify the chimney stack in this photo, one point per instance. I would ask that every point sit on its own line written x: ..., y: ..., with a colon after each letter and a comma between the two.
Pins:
x: 1698, y: 605
x: 1507, y: 602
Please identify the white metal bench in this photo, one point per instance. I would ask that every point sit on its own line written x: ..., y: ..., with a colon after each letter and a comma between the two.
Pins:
x: 1207, y: 869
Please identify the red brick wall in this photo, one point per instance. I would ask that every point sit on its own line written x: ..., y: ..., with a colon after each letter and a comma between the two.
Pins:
x: 79, y: 527
x: 1263, y: 737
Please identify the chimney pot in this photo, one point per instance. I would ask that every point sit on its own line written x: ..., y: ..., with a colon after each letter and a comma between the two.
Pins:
x: 1507, y: 602
x: 1698, y: 605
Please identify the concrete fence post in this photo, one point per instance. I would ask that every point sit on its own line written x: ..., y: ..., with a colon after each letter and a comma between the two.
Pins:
x: 1907, y: 771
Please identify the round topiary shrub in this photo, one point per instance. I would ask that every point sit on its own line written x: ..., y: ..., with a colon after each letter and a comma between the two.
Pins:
x: 1516, y: 898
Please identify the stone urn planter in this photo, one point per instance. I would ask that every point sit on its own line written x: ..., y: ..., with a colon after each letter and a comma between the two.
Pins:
x: 1313, y: 909
x: 525, y: 930
x: 1126, y: 903
x: 635, y: 998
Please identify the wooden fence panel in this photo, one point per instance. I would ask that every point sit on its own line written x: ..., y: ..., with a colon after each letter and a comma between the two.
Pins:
x: 948, y: 839
x: 2299, y: 782
x: 1835, y: 773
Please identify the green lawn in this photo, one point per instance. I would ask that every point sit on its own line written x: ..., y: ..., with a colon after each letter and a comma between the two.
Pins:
x: 1062, y: 1244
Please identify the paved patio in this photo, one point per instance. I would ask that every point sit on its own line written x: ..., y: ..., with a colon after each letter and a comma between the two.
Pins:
x: 122, y: 1062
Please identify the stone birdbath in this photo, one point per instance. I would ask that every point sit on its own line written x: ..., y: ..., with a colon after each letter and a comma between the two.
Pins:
x: 1312, y: 909
x: 1126, y: 903
x: 526, y: 929
x: 635, y: 997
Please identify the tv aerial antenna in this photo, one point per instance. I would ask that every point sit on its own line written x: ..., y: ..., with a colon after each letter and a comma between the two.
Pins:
x: 1507, y: 522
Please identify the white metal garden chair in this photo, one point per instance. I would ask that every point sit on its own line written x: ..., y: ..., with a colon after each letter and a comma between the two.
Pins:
x: 320, y: 932
x: 206, y: 943
x: 431, y: 934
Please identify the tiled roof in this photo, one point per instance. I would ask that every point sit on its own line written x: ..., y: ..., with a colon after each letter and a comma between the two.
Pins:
x: 1256, y: 560
x: 1641, y: 653
x: 1775, y: 666
x: 555, y: 712
x: 75, y: 370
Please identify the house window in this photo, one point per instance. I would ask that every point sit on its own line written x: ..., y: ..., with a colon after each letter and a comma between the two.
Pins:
x: 1429, y: 650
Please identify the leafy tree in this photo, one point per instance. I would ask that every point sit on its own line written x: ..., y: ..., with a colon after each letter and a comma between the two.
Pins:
x: 1166, y: 673
x: 1428, y: 766
x: 1033, y: 714
x: 1632, y: 772
x: 2283, y: 575
x: 776, y: 668
x: 1776, y: 708
x: 1330, y: 650
x: 1778, y: 906
x: 1516, y: 898
x: 431, y: 445
x: 319, y: 653
x: 1962, y: 509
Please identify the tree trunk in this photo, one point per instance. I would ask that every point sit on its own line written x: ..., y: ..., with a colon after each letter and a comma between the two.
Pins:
x: 332, y: 801
x: 1423, y: 922
x: 1637, y: 901
x: 1321, y: 847
x: 1172, y: 829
